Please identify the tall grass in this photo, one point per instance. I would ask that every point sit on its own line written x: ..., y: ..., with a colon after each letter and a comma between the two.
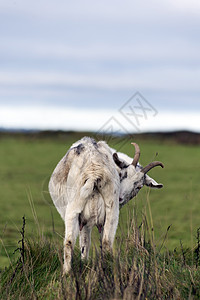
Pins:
x: 137, y: 269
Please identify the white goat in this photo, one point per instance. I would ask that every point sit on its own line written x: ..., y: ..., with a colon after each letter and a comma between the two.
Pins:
x: 85, y: 190
x: 87, y: 187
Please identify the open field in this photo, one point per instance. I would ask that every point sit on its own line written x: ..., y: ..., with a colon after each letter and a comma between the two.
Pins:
x: 26, y: 164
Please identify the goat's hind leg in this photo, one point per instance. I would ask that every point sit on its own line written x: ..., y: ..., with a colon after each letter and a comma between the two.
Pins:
x: 85, y: 241
x: 111, y: 222
x: 71, y: 233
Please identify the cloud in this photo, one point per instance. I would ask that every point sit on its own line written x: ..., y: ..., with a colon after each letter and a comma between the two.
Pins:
x: 110, y: 10
x: 158, y: 78
x: 185, y: 6
x: 31, y: 48
x: 97, y: 53
x: 53, y: 117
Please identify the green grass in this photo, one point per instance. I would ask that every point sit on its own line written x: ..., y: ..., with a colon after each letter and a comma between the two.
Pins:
x: 136, y: 270
x: 27, y: 163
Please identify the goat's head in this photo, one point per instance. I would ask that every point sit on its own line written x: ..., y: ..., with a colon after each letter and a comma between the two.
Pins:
x: 133, y: 177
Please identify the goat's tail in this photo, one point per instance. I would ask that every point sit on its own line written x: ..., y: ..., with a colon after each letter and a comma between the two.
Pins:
x: 91, y: 185
x: 87, y: 189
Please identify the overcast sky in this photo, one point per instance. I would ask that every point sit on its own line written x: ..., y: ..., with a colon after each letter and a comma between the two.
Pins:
x: 75, y: 64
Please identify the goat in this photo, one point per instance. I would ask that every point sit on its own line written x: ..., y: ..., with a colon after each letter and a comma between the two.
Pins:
x: 85, y: 190
x: 88, y: 186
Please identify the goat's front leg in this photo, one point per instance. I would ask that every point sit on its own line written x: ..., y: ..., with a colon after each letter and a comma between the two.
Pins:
x: 71, y: 233
x: 85, y: 241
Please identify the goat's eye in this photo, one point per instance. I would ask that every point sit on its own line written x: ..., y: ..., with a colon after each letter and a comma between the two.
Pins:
x: 120, y: 174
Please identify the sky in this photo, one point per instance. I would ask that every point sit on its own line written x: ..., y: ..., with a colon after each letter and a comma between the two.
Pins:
x: 100, y: 65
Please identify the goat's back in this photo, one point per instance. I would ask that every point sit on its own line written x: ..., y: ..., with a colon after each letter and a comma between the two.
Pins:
x: 86, y: 169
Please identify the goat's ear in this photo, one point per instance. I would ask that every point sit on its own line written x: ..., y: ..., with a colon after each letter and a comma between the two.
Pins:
x: 152, y: 183
x: 118, y: 162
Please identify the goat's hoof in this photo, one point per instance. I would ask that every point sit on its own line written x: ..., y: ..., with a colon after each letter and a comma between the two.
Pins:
x: 66, y: 270
x: 64, y: 273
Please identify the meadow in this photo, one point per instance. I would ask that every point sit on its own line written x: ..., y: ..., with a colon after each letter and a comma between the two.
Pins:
x: 171, y: 214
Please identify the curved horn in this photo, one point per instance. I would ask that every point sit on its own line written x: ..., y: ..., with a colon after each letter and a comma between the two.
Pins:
x: 151, y: 166
x: 137, y: 154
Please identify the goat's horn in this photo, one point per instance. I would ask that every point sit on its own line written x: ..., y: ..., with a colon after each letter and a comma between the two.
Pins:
x: 137, y: 154
x: 151, y: 166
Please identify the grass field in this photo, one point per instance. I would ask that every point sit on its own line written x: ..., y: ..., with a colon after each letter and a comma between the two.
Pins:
x: 26, y: 164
